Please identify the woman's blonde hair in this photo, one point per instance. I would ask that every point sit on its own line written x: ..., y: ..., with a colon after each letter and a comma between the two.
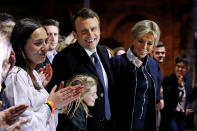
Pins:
x: 88, y: 82
x: 146, y: 26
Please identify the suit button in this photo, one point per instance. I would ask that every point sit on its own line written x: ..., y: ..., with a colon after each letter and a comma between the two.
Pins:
x: 102, y: 94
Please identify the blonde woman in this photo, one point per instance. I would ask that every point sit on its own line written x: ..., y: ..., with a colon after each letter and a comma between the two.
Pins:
x: 136, y: 77
x: 77, y: 111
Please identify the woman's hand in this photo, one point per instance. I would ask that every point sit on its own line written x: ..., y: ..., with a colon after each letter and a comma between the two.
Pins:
x: 65, y: 95
x: 9, y: 116
x: 17, y: 126
x: 45, y: 74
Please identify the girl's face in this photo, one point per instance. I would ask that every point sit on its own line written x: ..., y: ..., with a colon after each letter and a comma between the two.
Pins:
x: 91, y: 96
x: 36, y: 47
x: 143, y: 45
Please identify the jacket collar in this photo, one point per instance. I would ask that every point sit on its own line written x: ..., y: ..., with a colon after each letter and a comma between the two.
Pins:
x: 135, y: 60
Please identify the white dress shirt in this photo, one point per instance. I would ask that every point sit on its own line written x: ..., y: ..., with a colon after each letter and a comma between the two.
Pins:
x: 104, y: 72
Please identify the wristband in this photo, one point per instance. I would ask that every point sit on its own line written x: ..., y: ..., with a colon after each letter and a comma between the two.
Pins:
x: 49, y: 107
x: 50, y: 104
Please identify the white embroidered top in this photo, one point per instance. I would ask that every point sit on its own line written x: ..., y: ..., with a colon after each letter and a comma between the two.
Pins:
x: 20, y: 90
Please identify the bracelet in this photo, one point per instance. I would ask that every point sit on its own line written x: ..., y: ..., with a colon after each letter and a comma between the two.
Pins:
x: 51, y: 105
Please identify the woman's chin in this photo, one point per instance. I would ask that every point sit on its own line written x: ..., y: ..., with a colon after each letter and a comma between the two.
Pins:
x: 41, y: 61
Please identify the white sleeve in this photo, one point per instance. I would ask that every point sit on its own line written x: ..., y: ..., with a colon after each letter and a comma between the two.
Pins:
x: 19, y: 90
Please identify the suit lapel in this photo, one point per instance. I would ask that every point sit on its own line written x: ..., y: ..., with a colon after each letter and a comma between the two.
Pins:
x: 104, y: 59
x: 85, y: 59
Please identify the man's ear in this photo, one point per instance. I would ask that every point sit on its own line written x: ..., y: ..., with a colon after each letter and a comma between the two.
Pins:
x: 74, y: 34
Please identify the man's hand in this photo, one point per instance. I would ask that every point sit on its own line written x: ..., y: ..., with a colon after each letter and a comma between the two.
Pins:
x: 189, y: 111
x: 160, y: 105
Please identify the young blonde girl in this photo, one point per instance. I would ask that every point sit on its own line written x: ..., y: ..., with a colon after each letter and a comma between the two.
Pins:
x: 76, y: 113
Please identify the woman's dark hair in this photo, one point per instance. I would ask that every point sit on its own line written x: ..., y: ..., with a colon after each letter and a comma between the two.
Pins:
x: 21, y: 33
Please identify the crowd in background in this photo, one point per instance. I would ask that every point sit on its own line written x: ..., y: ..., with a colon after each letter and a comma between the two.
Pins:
x: 77, y: 83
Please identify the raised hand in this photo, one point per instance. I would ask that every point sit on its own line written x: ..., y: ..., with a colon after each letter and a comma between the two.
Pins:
x: 160, y: 105
x: 9, y: 116
x: 65, y: 95
x: 180, y: 80
x: 17, y: 126
x: 45, y: 74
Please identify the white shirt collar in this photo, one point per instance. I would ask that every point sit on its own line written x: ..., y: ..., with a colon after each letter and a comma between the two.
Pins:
x: 89, y: 52
x: 131, y: 57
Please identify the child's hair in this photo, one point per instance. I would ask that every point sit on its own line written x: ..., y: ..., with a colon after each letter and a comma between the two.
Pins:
x: 88, y: 82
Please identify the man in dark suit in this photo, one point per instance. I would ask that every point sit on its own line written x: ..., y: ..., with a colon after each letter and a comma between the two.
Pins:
x: 77, y: 59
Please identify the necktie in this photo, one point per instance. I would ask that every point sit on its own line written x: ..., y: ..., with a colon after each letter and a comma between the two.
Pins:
x: 100, y: 73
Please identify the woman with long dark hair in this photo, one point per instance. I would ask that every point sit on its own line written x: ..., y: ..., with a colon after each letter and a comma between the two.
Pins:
x: 23, y: 84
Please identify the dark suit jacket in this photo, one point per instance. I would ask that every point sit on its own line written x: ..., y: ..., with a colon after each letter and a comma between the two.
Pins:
x: 74, y: 60
x: 171, y: 99
x: 41, y: 65
x: 76, y: 122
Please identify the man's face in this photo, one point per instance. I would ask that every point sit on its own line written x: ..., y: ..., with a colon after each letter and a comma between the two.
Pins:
x: 87, y: 32
x: 53, y: 34
x: 7, y: 27
x: 5, y: 61
x: 159, y: 54
x: 181, y: 69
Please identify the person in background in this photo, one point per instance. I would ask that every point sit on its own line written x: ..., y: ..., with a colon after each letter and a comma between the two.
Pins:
x: 9, y: 116
x: 23, y: 84
x: 119, y: 50
x: 193, y: 99
x: 86, y: 56
x: 77, y: 111
x: 7, y: 23
x: 52, y: 28
x: 64, y: 41
x: 136, y: 80
x: 176, y: 92
x: 159, y: 54
x: 110, y: 51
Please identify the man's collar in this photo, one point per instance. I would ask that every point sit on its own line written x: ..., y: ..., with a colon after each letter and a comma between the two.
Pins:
x: 135, y: 60
x: 89, y: 52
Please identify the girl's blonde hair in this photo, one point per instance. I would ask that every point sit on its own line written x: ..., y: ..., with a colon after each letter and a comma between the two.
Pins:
x: 88, y: 82
x: 146, y: 26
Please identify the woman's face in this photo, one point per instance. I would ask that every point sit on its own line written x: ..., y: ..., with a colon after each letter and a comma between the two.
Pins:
x: 143, y: 45
x: 36, y: 47
x: 91, y: 96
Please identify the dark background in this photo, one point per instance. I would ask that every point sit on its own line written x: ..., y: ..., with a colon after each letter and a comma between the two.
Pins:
x: 176, y: 19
